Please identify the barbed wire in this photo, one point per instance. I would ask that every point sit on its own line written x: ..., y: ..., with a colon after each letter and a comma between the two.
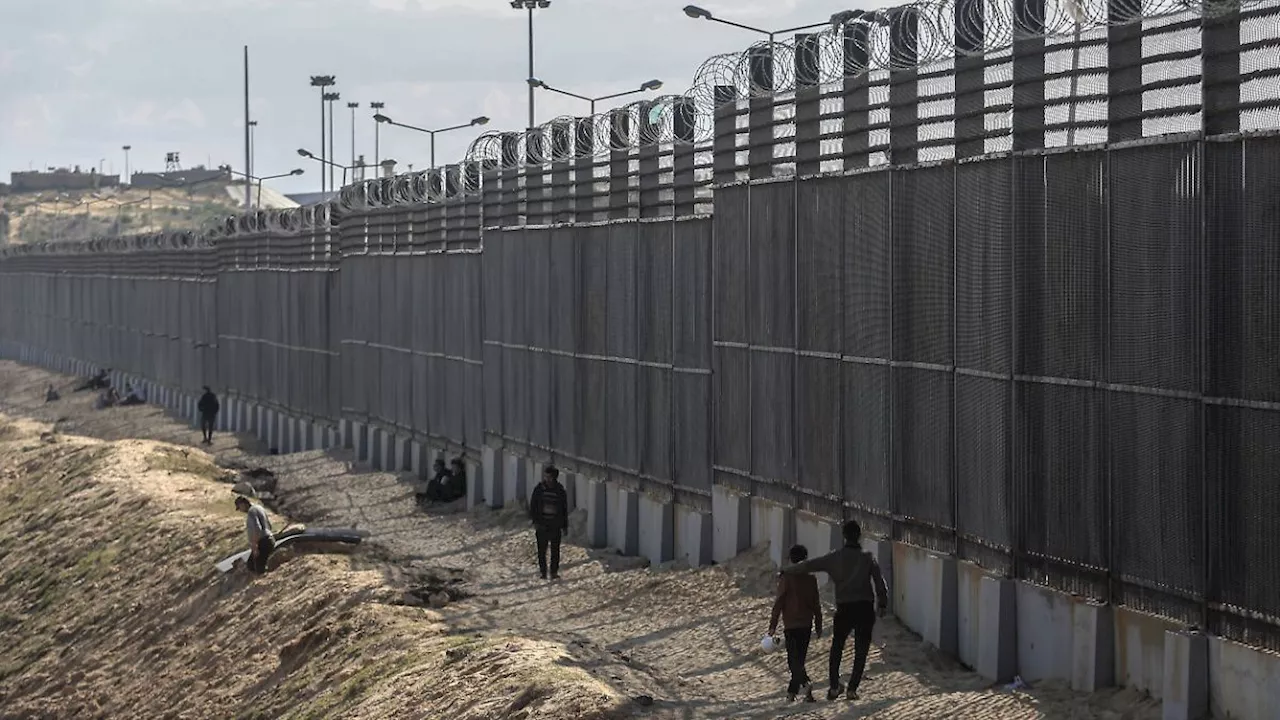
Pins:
x: 904, y: 37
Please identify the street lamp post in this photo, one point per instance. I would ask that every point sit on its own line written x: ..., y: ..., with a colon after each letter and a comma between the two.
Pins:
x: 353, y: 106
x: 322, y: 82
x: 332, y: 98
x: 324, y: 161
x: 698, y: 13
x: 249, y: 177
x: 377, y: 108
x: 482, y: 120
x: 253, y: 125
x: 530, y: 5
x: 535, y: 83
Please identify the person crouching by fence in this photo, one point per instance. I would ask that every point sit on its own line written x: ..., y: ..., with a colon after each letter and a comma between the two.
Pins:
x: 257, y: 528
x: 549, y: 510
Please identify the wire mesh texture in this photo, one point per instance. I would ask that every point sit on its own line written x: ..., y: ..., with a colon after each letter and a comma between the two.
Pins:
x: 997, y: 278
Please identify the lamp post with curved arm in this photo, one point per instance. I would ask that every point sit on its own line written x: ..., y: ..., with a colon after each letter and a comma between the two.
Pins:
x: 250, y: 178
x: 323, y: 161
x: 644, y: 87
x: 482, y: 120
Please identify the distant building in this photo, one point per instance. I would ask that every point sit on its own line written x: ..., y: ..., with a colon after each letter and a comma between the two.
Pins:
x: 60, y: 179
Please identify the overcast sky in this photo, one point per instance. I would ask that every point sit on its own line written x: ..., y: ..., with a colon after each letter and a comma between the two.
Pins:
x: 81, y: 78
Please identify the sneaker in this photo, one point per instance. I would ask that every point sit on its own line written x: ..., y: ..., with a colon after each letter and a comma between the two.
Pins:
x: 833, y: 693
x: 808, y: 693
x: 542, y: 575
x: 791, y: 697
x: 555, y: 576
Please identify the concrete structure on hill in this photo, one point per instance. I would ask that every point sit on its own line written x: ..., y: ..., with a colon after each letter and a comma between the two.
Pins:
x: 60, y: 179
x: 198, y: 174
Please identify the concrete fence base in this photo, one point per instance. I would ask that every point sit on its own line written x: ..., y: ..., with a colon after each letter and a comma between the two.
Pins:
x: 999, y: 626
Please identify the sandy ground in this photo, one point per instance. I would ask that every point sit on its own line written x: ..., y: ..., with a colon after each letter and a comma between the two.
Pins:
x: 689, y: 639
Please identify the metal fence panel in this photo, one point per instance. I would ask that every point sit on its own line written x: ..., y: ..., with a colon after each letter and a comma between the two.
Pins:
x: 772, y: 262
x: 819, y: 258
x: 866, y: 447
x: 1155, y: 264
x: 1158, y: 507
x: 923, y: 271
x: 1061, y: 473
x: 731, y: 268
x: 984, y: 266
x: 731, y: 388
x: 1061, y: 265
x: 867, y: 279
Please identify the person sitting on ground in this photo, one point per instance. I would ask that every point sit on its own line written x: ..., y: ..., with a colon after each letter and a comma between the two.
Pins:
x: 257, y: 528
x: 436, y: 485
x: 861, y: 595
x: 107, y: 398
x: 208, y: 408
x: 97, y: 382
x: 801, y: 611
x: 51, y: 395
x: 456, y: 488
x: 132, y: 396
x: 549, y: 510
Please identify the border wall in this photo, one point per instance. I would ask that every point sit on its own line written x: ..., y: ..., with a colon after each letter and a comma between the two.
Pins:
x: 1028, y: 343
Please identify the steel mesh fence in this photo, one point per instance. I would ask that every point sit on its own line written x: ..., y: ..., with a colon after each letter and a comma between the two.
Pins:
x: 1058, y: 364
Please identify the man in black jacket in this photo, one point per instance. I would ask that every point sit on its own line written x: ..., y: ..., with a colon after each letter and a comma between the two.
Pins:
x: 549, y: 510
x: 208, y: 408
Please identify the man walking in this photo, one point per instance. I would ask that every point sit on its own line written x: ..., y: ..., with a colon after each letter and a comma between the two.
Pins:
x: 208, y: 408
x: 257, y: 527
x: 861, y: 595
x: 549, y: 510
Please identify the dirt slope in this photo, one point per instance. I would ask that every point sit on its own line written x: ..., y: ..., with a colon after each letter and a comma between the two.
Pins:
x: 687, y: 638
x: 111, y: 608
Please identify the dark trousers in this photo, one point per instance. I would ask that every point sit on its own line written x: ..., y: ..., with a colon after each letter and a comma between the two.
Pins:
x: 797, y: 650
x: 857, y: 618
x: 258, y: 563
x: 548, y: 537
x: 206, y: 425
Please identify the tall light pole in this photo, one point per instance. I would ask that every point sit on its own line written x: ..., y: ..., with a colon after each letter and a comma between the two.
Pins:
x: 377, y: 108
x: 331, y: 98
x: 530, y: 6
x: 253, y: 156
x: 248, y: 130
x: 535, y: 83
x: 322, y: 82
x: 482, y: 120
x: 128, y: 178
x: 353, y: 106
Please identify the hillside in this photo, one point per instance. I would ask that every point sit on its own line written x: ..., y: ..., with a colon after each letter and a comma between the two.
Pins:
x: 77, y: 215
x: 112, y: 608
